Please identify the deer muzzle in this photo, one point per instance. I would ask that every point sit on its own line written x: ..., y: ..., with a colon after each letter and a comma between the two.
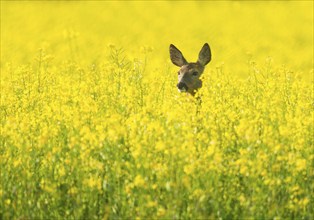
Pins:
x: 182, y: 87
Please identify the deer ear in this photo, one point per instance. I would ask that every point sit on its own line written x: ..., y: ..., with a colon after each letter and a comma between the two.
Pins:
x: 205, y: 55
x: 176, y: 56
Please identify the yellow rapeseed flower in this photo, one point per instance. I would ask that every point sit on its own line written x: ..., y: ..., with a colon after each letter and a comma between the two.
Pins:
x: 139, y: 181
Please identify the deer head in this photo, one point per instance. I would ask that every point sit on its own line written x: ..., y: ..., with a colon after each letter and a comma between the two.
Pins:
x: 189, y: 73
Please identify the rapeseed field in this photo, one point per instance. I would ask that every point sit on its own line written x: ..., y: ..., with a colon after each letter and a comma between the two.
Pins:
x: 93, y: 127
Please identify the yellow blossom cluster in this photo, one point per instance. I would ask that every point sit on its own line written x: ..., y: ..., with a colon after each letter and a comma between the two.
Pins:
x: 93, y: 127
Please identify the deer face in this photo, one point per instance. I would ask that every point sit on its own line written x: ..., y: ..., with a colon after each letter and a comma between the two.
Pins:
x: 189, y: 73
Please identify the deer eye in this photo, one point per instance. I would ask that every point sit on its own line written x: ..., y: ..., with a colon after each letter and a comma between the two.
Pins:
x: 194, y: 73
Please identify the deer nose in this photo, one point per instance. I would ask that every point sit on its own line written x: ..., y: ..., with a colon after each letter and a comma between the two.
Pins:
x: 182, y: 86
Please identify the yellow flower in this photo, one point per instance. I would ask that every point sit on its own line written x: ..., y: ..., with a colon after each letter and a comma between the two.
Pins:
x: 242, y: 199
x: 186, y: 182
x: 161, y: 211
x: 93, y: 182
x: 300, y: 164
x: 7, y: 201
x: 304, y: 202
x: 151, y: 204
x: 61, y: 171
x: 139, y: 181
x: 73, y: 190
x: 17, y: 162
x: 160, y: 146
x: 189, y: 169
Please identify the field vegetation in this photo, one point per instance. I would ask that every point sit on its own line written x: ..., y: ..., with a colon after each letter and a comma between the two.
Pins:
x: 93, y: 127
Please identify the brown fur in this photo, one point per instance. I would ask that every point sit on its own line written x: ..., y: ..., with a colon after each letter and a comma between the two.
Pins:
x: 189, y: 73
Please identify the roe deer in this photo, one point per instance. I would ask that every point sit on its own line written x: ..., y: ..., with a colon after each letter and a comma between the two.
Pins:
x: 189, y: 73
